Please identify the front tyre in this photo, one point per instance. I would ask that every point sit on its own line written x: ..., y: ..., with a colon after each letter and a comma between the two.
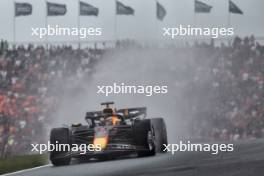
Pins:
x: 145, y: 136
x: 160, y: 134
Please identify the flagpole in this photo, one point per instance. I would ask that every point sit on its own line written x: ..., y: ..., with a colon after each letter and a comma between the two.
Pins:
x: 194, y: 19
x: 46, y: 21
x: 228, y: 15
x: 78, y: 23
x: 194, y: 15
x: 14, y: 24
x: 115, y: 21
x: 229, y: 20
x: 157, y: 25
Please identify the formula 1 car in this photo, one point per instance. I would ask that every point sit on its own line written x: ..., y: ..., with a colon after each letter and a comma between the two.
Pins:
x: 117, y: 132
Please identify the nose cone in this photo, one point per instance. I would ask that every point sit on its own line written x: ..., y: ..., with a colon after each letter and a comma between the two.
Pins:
x: 101, y: 137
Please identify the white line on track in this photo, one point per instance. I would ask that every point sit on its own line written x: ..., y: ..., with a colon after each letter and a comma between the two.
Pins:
x: 25, y: 170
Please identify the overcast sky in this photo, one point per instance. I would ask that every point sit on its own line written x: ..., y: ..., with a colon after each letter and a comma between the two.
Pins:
x: 143, y: 25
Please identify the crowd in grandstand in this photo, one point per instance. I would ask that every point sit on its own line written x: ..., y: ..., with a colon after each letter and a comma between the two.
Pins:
x: 31, y: 81
x: 227, y: 106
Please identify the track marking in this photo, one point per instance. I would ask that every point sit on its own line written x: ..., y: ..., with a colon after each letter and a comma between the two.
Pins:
x: 26, y: 170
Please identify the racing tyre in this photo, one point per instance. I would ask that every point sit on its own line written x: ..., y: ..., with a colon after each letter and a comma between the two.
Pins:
x: 61, y: 135
x: 144, y: 136
x: 160, y: 132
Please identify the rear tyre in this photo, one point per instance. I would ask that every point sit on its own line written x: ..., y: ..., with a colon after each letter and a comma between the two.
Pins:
x: 62, y: 136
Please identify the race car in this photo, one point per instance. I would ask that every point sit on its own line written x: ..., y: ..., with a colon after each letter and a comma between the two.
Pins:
x: 117, y: 132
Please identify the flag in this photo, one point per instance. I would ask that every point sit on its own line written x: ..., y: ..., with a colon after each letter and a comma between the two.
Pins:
x: 88, y: 10
x: 161, y: 12
x: 233, y: 8
x: 122, y: 9
x: 23, y: 9
x: 201, y: 7
x: 54, y: 9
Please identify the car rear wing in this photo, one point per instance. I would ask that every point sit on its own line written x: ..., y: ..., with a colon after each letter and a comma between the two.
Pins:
x: 94, y: 115
x: 127, y: 113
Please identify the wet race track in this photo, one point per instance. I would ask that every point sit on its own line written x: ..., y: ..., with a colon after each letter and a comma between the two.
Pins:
x: 246, y: 160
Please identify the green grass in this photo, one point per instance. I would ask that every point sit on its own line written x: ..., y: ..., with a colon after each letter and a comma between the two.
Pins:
x: 17, y: 163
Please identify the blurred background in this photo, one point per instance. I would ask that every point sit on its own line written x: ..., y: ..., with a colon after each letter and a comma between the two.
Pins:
x: 215, y: 87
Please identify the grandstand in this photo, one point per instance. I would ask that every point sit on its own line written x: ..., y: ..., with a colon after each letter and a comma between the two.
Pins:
x: 30, y: 92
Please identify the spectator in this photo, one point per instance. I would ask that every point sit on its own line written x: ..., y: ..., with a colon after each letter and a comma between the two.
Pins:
x: 28, y: 79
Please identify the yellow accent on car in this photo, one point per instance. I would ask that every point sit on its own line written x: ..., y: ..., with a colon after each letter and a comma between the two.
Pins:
x: 101, y: 141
